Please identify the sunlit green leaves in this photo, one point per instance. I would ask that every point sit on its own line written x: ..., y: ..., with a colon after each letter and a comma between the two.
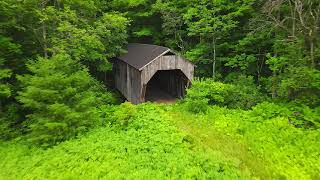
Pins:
x: 165, y: 141
x: 149, y: 147
x: 242, y: 61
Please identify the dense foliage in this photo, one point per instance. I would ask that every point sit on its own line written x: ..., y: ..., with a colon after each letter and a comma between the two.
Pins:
x: 150, y: 146
x: 55, y: 49
x: 166, y: 141
x: 208, y: 92
x: 276, y: 42
x: 45, y: 91
x: 252, y: 111
x: 266, y: 138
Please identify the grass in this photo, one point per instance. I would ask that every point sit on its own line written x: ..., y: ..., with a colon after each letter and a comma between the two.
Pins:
x: 150, y: 147
x: 168, y: 142
x: 206, y: 135
x: 269, y: 148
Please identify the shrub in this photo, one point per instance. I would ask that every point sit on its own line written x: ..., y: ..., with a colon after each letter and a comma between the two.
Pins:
x: 62, y: 97
x: 204, y: 92
x: 301, y: 85
x: 299, y: 116
x: 268, y: 110
x: 119, y: 116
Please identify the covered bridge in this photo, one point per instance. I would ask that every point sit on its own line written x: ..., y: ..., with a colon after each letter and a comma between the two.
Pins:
x: 150, y: 73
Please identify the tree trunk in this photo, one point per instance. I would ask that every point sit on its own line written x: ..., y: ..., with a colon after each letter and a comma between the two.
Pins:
x: 44, y: 33
x: 293, y: 18
x: 44, y: 36
x: 274, y: 89
x: 311, y: 49
x: 274, y: 82
x: 214, y: 58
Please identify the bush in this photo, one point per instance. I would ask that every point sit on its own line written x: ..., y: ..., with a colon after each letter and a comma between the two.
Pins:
x: 62, y: 97
x: 207, y: 91
x: 301, y: 85
x: 119, y: 116
x: 299, y: 116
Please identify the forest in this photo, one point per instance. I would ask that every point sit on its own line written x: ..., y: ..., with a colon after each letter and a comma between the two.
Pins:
x: 252, y: 112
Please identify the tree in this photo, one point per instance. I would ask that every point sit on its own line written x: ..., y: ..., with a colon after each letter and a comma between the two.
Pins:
x: 76, y: 31
x: 145, y: 23
x: 86, y: 35
x: 173, y: 26
x: 296, y: 18
x: 62, y: 97
x: 295, y: 25
x: 213, y: 20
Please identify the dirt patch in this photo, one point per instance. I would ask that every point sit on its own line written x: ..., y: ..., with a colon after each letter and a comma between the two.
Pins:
x: 158, y: 95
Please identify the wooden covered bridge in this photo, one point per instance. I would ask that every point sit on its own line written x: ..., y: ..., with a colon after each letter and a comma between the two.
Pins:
x: 151, y: 73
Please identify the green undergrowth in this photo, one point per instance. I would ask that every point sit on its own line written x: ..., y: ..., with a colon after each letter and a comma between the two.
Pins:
x: 151, y: 141
x: 265, y: 141
x: 144, y: 145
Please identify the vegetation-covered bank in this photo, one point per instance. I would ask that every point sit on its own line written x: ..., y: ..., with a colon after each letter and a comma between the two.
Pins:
x: 161, y: 141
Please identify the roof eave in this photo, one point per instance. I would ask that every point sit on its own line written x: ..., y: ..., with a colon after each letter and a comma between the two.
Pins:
x: 165, y: 52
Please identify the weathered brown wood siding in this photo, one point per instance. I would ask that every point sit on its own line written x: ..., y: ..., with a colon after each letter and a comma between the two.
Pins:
x: 170, y: 62
x: 127, y: 81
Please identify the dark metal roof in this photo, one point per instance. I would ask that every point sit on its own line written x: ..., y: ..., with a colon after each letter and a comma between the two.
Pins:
x: 139, y: 55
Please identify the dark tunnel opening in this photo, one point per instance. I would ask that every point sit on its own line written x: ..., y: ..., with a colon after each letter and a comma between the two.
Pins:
x: 166, y: 86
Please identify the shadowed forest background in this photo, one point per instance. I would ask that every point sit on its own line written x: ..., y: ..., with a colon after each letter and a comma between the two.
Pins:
x: 252, y: 112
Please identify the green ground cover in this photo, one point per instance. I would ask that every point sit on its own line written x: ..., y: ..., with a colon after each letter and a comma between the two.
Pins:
x: 161, y: 141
